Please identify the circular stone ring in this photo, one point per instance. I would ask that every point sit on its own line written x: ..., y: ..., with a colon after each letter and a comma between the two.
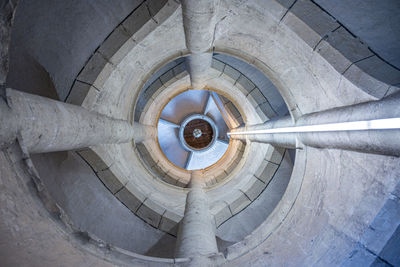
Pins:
x: 198, y: 133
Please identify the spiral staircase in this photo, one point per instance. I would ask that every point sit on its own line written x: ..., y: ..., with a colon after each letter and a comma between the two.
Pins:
x: 198, y: 133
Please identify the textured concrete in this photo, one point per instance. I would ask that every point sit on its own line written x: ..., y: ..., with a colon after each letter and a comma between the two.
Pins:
x: 381, y: 141
x: 196, y: 236
x: 93, y: 209
x: 199, y: 18
x: 7, y: 12
x: 372, y: 22
x: 47, y: 232
x: 47, y: 125
x: 339, y: 207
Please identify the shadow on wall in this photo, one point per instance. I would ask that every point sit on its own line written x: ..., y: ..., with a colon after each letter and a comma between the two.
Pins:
x: 29, y: 76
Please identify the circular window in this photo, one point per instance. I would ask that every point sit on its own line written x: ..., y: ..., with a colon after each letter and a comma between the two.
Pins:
x: 192, y: 131
x: 198, y: 133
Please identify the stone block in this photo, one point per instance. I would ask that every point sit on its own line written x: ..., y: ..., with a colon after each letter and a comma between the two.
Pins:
x: 239, y: 203
x: 151, y: 212
x: 256, y: 97
x: 392, y: 90
x: 128, y: 199
x: 277, y: 8
x: 165, y: 11
x: 232, y: 109
x: 137, y: 19
x: 231, y: 72
x: 254, y: 188
x: 377, y: 69
x: 155, y: 6
x: 152, y: 89
x: 170, y: 222
x: 381, y: 229
x: 168, y: 179
x: 93, y: 159
x: 262, y: 115
x: 110, y: 180
x: 78, y: 93
x: 240, y: 120
x: 158, y: 172
x: 221, y: 212
x: 359, y: 257
x: 309, y: 22
x: 178, y: 69
x: 181, y: 183
x: 145, y: 155
x: 167, y: 77
x: 341, y: 49
x: 224, y: 100
x: 218, y: 65
x: 231, y: 166
x: 266, y: 171
x: 366, y: 82
x: 220, y: 176
x: 275, y: 155
x: 114, y: 42
x: 267, y: 110
x: 246, y: 83
x: 93, y: 68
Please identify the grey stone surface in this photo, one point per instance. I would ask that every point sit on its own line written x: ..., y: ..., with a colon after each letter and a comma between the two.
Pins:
x: 309, y: 22
x: 239, y: 226
x: 129, y: 200
x: 78, y: 93
x: 114, y: 42
x: 47, y: 125
x: 70, y: 33
x: 391, y: 251
x: 231, y: 72
x: 91, y: 206
x: 150, y: 212
x: 341, y: 49
x: 137, y: 19
x: 372, y: 22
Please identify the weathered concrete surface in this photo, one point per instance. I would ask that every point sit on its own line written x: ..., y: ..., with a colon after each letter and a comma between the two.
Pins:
x: 199, y: 18
x: 77, y: 189
x: 372, y: 22
x: 7, y: 12
x: 241, y: 225
x: 196, y: 236
x: 335, y: 207
x: 27, y: 228
x: 70, y: 33
x: 47, y: 125
x: 381, y: 141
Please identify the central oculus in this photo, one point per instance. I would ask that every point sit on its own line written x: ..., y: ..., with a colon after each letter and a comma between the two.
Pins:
x: 198, y: 133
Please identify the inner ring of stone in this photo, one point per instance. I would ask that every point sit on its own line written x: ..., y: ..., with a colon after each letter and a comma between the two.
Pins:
x: 197, y: 133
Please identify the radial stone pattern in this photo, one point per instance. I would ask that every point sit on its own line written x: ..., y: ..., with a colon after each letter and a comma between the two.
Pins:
x: 198, y: 133
x: 192, y: 130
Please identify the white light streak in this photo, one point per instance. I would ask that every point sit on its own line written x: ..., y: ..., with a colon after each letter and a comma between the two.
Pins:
x: 380, y: 124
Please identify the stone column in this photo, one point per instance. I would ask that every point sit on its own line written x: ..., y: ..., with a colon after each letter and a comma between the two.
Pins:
x: 286, y: 140
x: 372, y: 127
x: 196, y: 237
x: 47, y: 125
x: 199, y: 18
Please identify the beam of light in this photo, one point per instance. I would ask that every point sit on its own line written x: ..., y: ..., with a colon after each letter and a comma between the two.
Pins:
x: 380, y: 124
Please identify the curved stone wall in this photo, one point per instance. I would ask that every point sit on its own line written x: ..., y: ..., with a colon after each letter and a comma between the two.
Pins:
x: 334, y: 200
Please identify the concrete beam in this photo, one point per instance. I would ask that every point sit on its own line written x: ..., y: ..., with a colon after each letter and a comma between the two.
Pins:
x: 196, y: 236
x: 199, y: 18
x: 371, y: 127
x: 46, y: 125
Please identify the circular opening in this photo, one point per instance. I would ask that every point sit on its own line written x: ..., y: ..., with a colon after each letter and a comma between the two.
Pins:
x: 198, y: 133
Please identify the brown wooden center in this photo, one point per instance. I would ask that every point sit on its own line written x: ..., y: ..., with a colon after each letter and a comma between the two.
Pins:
x: 204, y: 139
